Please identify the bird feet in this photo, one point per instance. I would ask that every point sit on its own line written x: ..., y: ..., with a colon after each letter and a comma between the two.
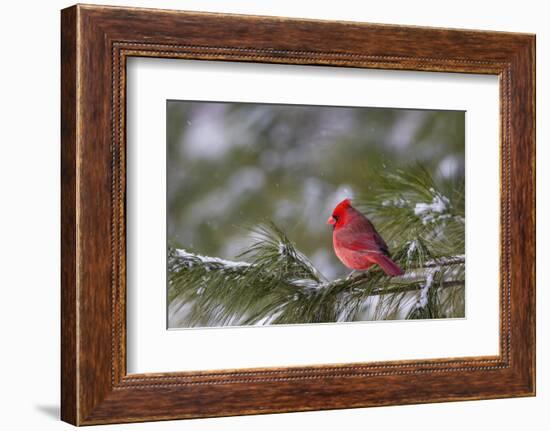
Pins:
x: 350, y: 275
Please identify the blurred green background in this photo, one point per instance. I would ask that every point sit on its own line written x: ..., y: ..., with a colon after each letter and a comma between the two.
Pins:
x: 231, y: 166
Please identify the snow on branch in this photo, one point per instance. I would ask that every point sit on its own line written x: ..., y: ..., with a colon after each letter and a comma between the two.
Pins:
x: 182, y: 259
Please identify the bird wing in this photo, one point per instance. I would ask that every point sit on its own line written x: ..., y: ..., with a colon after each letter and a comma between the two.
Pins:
x: 362, y: 237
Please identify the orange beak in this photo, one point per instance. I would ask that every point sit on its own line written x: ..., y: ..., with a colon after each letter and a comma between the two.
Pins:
x: 331, y: 220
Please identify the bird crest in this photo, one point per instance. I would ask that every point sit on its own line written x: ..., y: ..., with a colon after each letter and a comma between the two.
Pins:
x: 346, y: 203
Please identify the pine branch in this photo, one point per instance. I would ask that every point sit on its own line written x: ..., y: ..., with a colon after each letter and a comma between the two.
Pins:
x: 183, y: 259
x: 415, y: 287
x: 233, y: 276
x: 273, y: 251
x: 411, y: 274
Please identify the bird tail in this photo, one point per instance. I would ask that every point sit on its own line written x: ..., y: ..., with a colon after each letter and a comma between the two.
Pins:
x: 388, y: 265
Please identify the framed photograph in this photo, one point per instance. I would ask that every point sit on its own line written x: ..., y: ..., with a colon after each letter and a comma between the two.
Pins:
x: 264, y: 215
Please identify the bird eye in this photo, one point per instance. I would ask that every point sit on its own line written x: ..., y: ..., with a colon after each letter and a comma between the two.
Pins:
x: 335, y: 217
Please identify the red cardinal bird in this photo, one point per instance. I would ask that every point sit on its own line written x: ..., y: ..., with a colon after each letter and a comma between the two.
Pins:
x: 356, y: 242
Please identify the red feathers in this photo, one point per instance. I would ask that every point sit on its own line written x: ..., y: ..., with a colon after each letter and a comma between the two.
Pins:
x: 356, y: 242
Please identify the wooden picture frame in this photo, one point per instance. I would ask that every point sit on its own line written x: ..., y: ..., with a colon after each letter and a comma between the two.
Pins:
x: 96, y: 41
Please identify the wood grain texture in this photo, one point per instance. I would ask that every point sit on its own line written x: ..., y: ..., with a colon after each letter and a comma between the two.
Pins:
x: 96, y: 41
x: 68, y: 218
